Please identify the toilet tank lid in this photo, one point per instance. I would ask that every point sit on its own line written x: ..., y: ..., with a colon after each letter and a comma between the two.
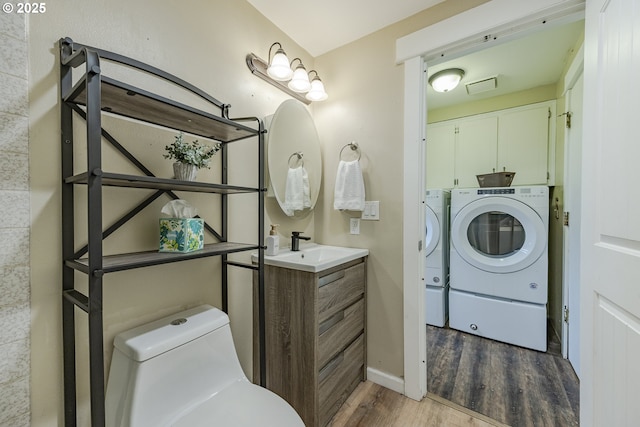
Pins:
x: 152, y: 339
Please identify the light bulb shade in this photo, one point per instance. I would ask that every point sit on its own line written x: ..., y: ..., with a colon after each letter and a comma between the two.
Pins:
x: 317, y: 93
x: 446, y: 80
x: 300, y: 80
x: 279, y: 69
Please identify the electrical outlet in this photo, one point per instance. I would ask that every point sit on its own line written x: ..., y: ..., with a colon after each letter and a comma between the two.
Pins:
x: 354, y: 225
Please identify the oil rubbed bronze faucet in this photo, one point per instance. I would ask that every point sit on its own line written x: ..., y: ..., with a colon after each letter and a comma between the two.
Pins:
x: 295, y: 240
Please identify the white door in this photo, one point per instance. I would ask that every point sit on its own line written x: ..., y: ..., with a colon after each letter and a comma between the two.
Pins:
x: 610, y: 237
x: 523, y: 144
x: 476, y: 149
x: 441, y: 142
x: 571, y: 234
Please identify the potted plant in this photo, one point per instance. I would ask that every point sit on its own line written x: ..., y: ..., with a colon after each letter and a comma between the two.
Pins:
x: 189, y: 157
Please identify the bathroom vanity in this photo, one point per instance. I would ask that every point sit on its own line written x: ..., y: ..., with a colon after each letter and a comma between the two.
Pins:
x: 315, y: 333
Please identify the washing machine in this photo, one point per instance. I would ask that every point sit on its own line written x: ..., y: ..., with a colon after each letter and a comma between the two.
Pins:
x: 437, y: 257
x: 499, y: 264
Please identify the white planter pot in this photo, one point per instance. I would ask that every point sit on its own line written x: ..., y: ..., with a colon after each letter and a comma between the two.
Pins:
x: 185, y: 172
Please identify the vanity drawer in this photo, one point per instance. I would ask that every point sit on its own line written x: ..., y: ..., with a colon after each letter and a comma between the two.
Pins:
x: 339, y: 330
x: 339, y: 378
x: 339, y: 289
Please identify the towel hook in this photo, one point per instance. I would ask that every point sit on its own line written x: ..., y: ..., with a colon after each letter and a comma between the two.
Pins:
x: 354, y: 147
x: 299, y: 155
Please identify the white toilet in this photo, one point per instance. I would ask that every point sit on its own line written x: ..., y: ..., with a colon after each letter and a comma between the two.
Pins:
x: 183, y: 370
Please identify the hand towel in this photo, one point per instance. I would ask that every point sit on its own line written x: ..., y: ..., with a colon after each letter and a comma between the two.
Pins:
x: 296, y: 193
x: 349, y: 190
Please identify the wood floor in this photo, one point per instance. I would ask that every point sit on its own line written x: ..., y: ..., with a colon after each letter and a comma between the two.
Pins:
x: 476, y: 382
x: 372, y: 405
x: 510, y: 384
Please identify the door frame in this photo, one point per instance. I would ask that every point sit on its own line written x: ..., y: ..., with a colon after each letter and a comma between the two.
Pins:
x: 459, y: 35
x: 569, y: 245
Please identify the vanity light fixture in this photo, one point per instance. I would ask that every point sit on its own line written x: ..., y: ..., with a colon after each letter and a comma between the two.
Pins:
x: 279, y: 68
x: 446, y: 80
x: 316, y: 93
x: 300, y: 81
x: 278, y: 72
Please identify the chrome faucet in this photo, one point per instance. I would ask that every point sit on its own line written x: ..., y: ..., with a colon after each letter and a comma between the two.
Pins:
x: 295, y: 240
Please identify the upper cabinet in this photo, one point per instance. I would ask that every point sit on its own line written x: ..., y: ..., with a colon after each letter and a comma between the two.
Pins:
x: 519, y: 140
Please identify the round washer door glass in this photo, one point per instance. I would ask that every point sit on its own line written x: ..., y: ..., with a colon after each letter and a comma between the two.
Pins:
x: 498, y: 235
x: 433, y: 232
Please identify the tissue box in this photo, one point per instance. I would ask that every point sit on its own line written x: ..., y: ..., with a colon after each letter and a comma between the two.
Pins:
x: 181, y: 234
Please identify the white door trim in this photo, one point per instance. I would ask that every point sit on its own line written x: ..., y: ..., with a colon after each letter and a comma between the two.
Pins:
x: 457, y: 35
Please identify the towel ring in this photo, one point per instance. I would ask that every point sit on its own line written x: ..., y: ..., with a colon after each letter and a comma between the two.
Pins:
x: 299, y: 155
x: 354, y: 147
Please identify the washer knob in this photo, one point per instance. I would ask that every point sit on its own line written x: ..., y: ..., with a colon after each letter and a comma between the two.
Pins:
x: 473, y: 327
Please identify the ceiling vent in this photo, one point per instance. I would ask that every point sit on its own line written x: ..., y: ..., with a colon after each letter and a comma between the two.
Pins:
x: 483, y: 85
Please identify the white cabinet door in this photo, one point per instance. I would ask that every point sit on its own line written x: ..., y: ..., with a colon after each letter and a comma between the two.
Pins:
x: 523, y: 137
x: 476, y: 149
x: 441, y: 141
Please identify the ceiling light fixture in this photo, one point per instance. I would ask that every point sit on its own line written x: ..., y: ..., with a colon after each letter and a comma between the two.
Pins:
x: 278, y: 72
x: 446, y: 80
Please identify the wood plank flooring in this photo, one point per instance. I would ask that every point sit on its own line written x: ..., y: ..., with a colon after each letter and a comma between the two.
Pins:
x: 510, y: 384
x: 372, y: 405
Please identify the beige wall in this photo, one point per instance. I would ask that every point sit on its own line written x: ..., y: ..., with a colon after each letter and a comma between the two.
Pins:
x: 204, y: 43
x: 14, y: 228
x: 365, y: 104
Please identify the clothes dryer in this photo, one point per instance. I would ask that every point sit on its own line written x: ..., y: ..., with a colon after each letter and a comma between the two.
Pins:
x: 437, y: 257
x: 499, y: 263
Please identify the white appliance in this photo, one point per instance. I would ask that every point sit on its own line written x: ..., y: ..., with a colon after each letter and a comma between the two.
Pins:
x: 499, y: 263
x: 437, y: 257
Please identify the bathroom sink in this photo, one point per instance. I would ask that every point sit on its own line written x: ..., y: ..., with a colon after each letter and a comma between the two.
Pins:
x: 313, y: 257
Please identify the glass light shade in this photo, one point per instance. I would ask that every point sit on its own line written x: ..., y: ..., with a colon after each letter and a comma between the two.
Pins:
x: 279, y: 69
x: 300, y: 80
x: 316, y: 93
x: 446, y: 80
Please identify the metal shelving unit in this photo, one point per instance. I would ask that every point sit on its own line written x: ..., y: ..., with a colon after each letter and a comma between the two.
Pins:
x: 90, y: 96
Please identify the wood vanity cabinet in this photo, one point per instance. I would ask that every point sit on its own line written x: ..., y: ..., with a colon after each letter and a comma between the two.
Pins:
x: 315, y: 337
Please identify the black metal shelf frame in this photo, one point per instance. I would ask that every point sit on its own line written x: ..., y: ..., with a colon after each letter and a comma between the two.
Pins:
x: 91, y: 95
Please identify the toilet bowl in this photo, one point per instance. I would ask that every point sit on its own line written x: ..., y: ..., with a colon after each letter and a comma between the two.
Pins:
x: 183, y: 370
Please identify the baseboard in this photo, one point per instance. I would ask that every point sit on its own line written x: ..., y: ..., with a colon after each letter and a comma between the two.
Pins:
x: 385, y: 380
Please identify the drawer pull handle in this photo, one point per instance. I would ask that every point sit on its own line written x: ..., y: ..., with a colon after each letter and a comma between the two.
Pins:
x: 330, y: 367
x: 331, y: 322
x: 329, y: 278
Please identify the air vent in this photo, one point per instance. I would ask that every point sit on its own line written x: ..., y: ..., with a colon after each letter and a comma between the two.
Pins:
x: 483, y: 85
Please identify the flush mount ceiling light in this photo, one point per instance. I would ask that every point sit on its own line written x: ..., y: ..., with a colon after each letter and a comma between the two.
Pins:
x: 279, y: 72
x: 446, y: 80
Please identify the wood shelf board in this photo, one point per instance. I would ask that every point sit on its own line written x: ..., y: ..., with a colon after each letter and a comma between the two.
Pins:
x: 150, y: 182
x: 128, y: 101
x: 128, y: 261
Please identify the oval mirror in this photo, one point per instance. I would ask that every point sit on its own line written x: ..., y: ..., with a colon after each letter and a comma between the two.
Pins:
x: 294, y: 159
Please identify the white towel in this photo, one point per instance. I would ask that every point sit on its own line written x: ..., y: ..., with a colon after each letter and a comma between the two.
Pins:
x: 349, y: 191
x: 296, y: 192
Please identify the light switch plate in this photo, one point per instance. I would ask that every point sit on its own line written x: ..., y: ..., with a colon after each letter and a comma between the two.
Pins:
x: 371, y: 211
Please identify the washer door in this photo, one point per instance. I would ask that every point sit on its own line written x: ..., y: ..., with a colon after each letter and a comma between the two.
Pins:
x: 433, y: 232
x: 498, y: 235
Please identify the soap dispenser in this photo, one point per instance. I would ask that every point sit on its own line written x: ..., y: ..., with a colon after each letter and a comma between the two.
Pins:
x: 273, y: 241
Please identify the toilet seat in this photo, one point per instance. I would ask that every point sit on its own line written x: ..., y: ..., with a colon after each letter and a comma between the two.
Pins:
x: 242, y: 404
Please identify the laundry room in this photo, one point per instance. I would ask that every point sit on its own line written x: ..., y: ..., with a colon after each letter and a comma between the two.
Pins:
x: 499, y: 169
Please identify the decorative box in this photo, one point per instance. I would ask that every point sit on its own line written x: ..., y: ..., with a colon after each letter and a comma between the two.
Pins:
x: 181, y: 234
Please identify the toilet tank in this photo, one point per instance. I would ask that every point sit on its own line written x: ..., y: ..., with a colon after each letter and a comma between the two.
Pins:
x: 162, y: 370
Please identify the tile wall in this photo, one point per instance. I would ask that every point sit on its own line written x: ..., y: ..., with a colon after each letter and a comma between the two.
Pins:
x: 15, y: 317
